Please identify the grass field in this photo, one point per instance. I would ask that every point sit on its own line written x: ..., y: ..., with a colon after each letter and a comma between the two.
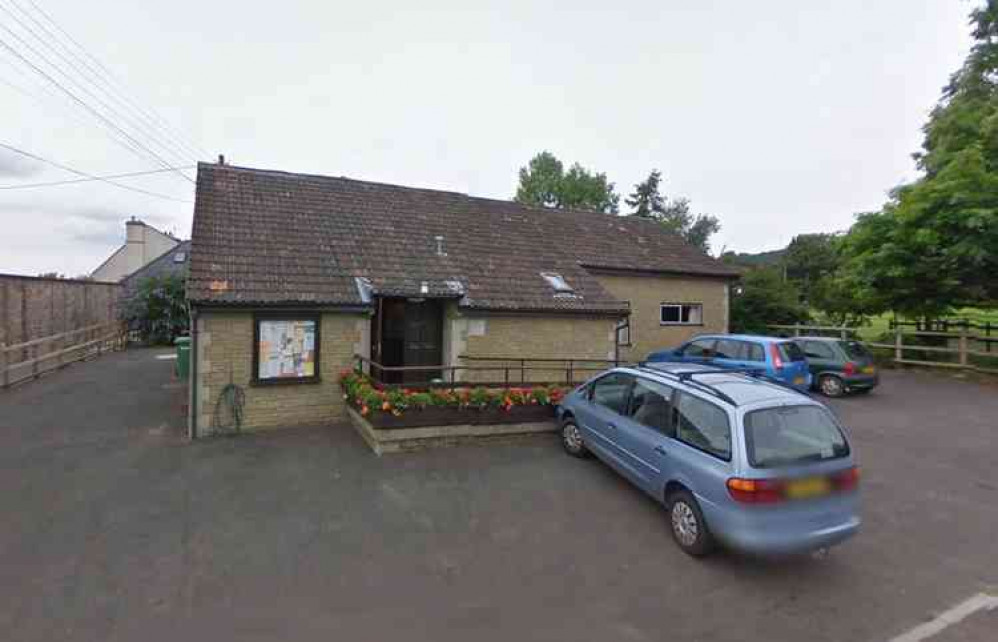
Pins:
x: 880, y: 324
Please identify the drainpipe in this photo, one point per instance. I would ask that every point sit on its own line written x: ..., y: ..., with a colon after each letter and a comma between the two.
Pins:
x: 193, y: 374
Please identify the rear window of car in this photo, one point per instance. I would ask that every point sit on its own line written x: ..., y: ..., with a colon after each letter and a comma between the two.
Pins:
x: 855, y: 350
x: 790, y: 351
x: 789, y: 435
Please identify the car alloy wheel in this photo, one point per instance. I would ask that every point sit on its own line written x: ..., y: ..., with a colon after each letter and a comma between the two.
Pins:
x: 832, y: 386
x: 571, y: 439
x: 684, y: 524
x: 689, y: 528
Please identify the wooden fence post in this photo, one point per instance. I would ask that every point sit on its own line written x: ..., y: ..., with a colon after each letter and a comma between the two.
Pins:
x: 4, y: 378
x: 897, y: 344
x: 963, y: 347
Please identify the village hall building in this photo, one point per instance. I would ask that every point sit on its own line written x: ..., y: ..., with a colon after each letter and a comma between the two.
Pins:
x: 292, y: 275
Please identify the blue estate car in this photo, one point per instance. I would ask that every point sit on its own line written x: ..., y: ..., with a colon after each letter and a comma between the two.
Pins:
x: 734, y: 458
x: 779, y: 358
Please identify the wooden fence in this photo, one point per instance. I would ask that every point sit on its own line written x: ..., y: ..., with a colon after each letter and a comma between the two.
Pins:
x: 29, y: 359
x: 964, y: 345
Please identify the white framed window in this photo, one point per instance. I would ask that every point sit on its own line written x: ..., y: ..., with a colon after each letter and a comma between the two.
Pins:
x: 624, y: 333
x: 681, y: 314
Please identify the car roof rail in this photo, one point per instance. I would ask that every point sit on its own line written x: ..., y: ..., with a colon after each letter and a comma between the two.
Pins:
x: 699, y: 385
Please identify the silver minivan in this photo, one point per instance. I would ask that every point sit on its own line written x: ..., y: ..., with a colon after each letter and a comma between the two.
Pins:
x: 735, y: 458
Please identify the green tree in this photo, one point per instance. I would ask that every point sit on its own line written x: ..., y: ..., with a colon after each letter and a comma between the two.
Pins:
x: 808, y: 258
x: 934, y: 246
x: 699, y: 232
x: 159, y: 309
x: 545, y: 183
x: 647, y: 202
x: 764, y: 298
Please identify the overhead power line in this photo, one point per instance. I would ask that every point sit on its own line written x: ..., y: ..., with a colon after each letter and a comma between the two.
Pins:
x: 48, y: 40
x: 66, y: 168
x: 110, y: 79
x: 76, y: 98
x: 73, y: 181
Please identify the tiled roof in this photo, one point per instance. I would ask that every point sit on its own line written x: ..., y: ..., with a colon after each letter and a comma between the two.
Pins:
x: 268, y: 237
x: 163, y: 265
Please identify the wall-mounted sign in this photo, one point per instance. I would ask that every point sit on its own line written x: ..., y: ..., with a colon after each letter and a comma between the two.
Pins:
x: 286, y: 349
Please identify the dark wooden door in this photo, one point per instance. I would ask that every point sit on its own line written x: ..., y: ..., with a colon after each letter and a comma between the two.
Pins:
x: 423, y: 338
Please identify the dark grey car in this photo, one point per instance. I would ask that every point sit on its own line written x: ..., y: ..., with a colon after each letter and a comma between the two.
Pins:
x: 839, y: 366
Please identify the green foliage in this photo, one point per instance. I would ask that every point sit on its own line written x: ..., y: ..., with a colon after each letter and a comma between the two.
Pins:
x: 751, y: 260
x: 700, y: 230
x: 367, y: 396
x: 808, y: 258
x: 934, y: 246
x: 647, y: 202
x: 159, y: 309
x: 764, y: 298
x: 544, y: 182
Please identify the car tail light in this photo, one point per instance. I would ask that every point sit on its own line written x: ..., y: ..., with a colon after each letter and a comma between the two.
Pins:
x: 777, y: 359
x: 771, y: 491
x: 847, y: 479
x: 756, y: 491
x: 849, y: 368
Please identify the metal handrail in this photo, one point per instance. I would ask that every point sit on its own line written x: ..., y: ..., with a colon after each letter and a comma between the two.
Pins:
x: 449, y: 372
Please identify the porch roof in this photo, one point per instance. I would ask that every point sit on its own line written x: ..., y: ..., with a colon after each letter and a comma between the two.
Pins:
x: 269, y: 237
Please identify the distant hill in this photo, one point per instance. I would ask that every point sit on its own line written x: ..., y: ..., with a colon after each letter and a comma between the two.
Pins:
x: 758, y: 259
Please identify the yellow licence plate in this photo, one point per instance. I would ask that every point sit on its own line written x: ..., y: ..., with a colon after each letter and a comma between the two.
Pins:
x: 798, y: 381
x: 869, y: 369
x: 810, y: 487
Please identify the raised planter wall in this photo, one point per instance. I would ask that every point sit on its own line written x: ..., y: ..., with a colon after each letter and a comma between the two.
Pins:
x: 401, y: 438
x: 449, y: 416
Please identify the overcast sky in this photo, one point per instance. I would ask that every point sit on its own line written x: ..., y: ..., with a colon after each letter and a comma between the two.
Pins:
x: 778, y: 116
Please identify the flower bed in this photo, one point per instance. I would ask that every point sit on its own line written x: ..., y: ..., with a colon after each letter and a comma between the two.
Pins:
x: 404, y: 408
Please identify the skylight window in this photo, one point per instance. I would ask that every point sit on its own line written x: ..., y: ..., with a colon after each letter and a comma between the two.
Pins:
x: 557, y: 283
x: 180, y: 257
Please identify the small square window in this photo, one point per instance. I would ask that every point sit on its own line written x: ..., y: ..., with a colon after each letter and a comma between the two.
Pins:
x: 180, y: 257
x: 557, y: 282
x: 681, y: 314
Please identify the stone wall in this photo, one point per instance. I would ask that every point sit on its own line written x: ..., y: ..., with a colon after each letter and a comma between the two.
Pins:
x: 646, y: 293
x: 528, y: 336
x: 34, y: 307
x: 225, y: 354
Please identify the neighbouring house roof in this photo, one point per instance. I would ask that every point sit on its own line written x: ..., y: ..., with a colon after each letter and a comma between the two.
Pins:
x: 174, y: 261
x: 276, y: 238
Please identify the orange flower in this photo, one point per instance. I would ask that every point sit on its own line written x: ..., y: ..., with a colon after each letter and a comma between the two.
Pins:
x: 386, y: 406
x: 364, y: 410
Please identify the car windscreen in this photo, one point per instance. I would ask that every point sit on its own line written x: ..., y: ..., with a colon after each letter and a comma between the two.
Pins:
x: 788, y: 435
x: 790, y: 351
x: 856, y: 350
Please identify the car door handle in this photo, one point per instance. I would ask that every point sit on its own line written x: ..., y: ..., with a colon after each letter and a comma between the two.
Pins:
x: 661, y: 450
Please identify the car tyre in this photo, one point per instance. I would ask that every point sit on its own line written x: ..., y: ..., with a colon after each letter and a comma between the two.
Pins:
x: 571, y: 439
x: 831, y: 386
x: 688, y: 526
